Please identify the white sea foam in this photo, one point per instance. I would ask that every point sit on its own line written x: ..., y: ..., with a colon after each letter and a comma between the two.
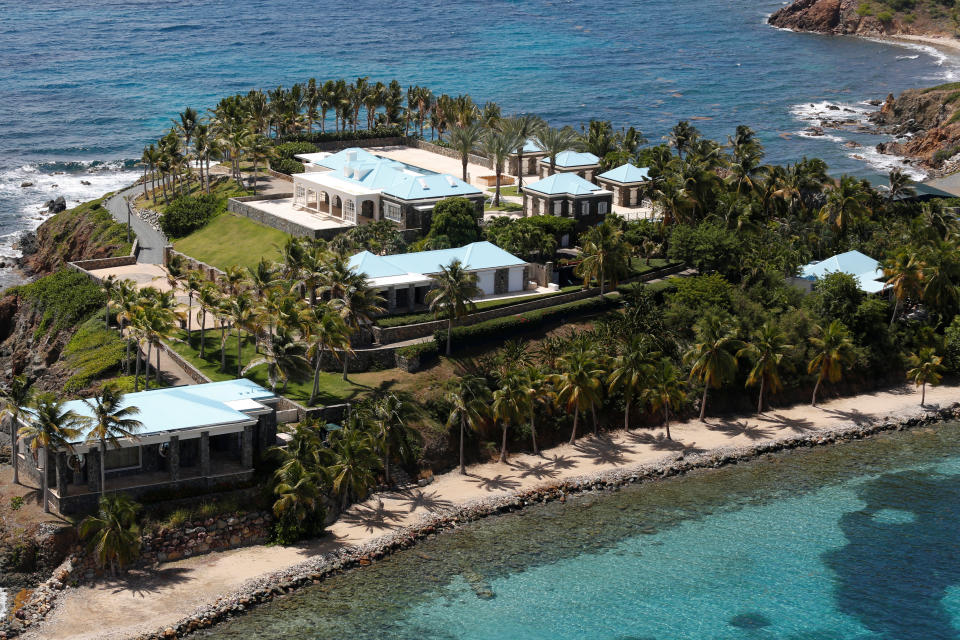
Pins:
x: 908, y: 57
x: 825, y: 110
x: 949, y: 64
x: 885, y: 162
x: 3, y: 604
x: 813, y: 136
x: 51, y: 181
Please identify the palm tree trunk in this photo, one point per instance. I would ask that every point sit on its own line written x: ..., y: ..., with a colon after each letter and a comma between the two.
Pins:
x: 136, y: 377
x: 576, y: 418
x: 593, y: 413
x: 520, y: 169
x: 43, y: 482
x: 763, y: 380
x: 703, y: 402
x: 626, y: 415
x: 158, y: 365
x: 813, y: 402
x: 533, y: 433
x: 923, y: 394
x: 146, y: 364
x: 896, y: 306
x: 316, y: 379
x: 496, y: 195
x: 14, y: 460
x: 463, y: 429
x: 106, y: 313
x: 449, y: 334
x: 189, y: 315
x: 223, y: 347
x: 346, y: 363
x: 103, y: 467
x: 239, y: 353
x: 464, y: 167
x: 203, y: 334
x: 666, y: 420
x: 503, y: 443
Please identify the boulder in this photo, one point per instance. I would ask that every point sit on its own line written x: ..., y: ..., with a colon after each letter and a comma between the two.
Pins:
x: 26, y: 183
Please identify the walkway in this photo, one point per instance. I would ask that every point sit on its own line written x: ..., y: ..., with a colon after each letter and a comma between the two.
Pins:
x: 151, y: 240
x: 147, y: 600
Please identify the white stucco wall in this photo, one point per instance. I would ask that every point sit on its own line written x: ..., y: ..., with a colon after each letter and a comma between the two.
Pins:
x: 515, y: 282
x: 485, y: 282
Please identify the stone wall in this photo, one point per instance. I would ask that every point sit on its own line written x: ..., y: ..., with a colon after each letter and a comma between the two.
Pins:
x: 239, y: 207
x: 192, y: 264
x: 192, y: 372
x: 203, y: 536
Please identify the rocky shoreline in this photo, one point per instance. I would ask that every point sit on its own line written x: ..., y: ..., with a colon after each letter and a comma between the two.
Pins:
x: 267, y: 587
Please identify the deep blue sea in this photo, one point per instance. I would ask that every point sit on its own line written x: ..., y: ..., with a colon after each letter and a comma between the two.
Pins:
x: 86, y: 84
x: 858, y: 541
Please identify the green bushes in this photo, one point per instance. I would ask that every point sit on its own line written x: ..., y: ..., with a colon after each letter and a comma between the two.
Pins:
x: 288, y: 166
x: 426, y: 351
x: 284, y: 161
x: 92, y: 351
x: 500, y: 328
x: 186, y: 214
x: 64, y: 298
x: 343, y: 136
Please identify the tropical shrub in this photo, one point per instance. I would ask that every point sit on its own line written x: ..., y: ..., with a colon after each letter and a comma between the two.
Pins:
x: 290, y: 149
x: 288, y: 166
x: 426, y: 351
x: 454, y: 224
x: 342, y: 136
x: 112, y: 535
x: 64, y: 298
x: 186, y: 214
x: 92, y: 351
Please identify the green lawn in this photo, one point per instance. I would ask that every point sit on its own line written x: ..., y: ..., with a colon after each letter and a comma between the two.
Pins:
x: 333, y: 389
x: 509, y: 191
x: 230, y: 239
x: 504, y: 206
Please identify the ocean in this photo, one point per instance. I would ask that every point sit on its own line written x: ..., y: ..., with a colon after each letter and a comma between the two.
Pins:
x: 856, y: 541
x: 87, y: 83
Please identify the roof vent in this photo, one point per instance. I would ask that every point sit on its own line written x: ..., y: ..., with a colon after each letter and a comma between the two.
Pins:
x: 451, y: 180
x: 356, y: 174
x: 351, y: 155
x: 423, y: 183
x: 346, y: 170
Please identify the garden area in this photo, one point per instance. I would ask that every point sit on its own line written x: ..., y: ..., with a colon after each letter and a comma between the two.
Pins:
x: 230, y: 239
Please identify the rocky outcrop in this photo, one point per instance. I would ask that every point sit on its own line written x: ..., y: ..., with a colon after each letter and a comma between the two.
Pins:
x: 845, y: 17
x: 926, y: 123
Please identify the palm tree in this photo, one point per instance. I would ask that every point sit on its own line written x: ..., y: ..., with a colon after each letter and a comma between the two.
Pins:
x: 927, y: 368
x: 208, y: 300
x: 327, y: 331
x: 468, y: 406
x: 50, y: 429
x: 522, y: 127
x: 298, y: 491
x: 578, y: 384
x: 453, y: 295
x: 194, y: 282
x: 903, y: 274
x: 767, y: 350
x: 162, y: 318
x: 940, y: 275
x: 463, y: 140
x: 712, y: 358
x: 605, y: 256
x: 665, y: 391
x: 498, y: 146
x: 241, y: 311
x: 109, y: 286
x: 261, y: 149
x: 109, y: 422
x: 555, y: 142
x: 632, y: 367
x: 540, y: 396
x: 899, y: 186
x: 112, y: 534
x: 846, y: 204
x: 14, y: 400
x: 392, y: 434
x: 509, y: 405
x: 354, y: 464
x: 285, y: 358
x: 682, y: 136
x: 357, y: 306
x: 833, y: 349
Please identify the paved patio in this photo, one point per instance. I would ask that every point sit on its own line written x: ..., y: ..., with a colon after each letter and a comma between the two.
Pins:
x: 284, y: 209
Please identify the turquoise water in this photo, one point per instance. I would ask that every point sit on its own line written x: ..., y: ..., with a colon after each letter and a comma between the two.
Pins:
x: 87, y: 83
x: 854, y: 542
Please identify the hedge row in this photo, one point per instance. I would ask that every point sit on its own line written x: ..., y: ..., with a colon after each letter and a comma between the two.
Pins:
x: 340, y: 136
x: 288, y: 166
x: 426, y: 351
x: 500, y: 328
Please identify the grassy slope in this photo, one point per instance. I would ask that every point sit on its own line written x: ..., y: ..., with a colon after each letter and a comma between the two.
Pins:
x: 230, y: 239
x: 222, y: 187
x: 85, y: 231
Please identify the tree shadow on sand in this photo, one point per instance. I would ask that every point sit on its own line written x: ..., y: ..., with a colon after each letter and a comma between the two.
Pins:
x: 603, y: 450
x: 855, y: 416
x: 144, y: 582
x: 372, y: 518
x: 539, y: 470
x: 799, y: 425
x: 561, y: 462
x: 740, y: 428
x: 496, y: 483
x: 415, y: 499
x: 660, y: 442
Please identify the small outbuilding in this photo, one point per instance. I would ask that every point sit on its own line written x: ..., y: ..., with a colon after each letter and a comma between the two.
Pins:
x: 567, y: 195
x: 584, y: 164
x: 532, y: 153
x: 863, y: 268
x: 627, y: 182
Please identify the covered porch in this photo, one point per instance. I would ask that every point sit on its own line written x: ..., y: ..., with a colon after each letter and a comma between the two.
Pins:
x: 326, y: 195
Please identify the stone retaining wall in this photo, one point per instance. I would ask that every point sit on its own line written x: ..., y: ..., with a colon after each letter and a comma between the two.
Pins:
x: 266, y: 588
x: 86, y: 266
x: 239, y: 207
x: 192, y: 264
x: 192, y: 372
x: 204, y: 536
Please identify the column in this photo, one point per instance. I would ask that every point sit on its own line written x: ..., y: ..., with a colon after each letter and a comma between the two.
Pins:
x: 173, y: 458
x: 61, y: 465
x: 205, y: 453
x: 392, y: 298
x: 246, y: 447
x: 93, y: 469
x: 411, y: 296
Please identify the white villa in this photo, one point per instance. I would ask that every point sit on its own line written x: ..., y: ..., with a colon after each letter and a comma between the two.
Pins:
x: 404, y: 279
x: 357, y: 186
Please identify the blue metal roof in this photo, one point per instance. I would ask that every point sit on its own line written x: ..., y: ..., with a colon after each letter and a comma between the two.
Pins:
x: 626, y: 173
x: 474, y: 256
x: 573, y: 159
x: 563, y: 183
x: 865, y: 269
x: 394, y: 178
x: 178, y: 408
x: 532, y: 146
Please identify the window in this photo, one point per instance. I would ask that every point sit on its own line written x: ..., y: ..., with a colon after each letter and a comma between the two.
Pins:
x: 392, y: 212
x: 602, y: 208
x: 585, y: 208
x: 557, y: 208
x: 300, y: 193
x: 349, y: 211
x: 126, y: 458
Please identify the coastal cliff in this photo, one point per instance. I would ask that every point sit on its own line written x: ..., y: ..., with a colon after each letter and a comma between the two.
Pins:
x: 926, y: 123
x: 864, y: 18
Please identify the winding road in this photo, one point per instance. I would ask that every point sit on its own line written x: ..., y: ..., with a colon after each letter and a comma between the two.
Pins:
x: 151, y: 240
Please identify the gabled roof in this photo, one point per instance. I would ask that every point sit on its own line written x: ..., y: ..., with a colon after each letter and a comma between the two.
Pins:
x: 474, y: 256
x: 626, y: 173
x: 189, y: 407
x: 865, y: 269
x: 563, y: 183
x: 573, y: 159
x: 410, y: 187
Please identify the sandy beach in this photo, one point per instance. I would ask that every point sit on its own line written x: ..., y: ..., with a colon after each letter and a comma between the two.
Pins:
x: 147, y: 600
x: 945, y: 43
